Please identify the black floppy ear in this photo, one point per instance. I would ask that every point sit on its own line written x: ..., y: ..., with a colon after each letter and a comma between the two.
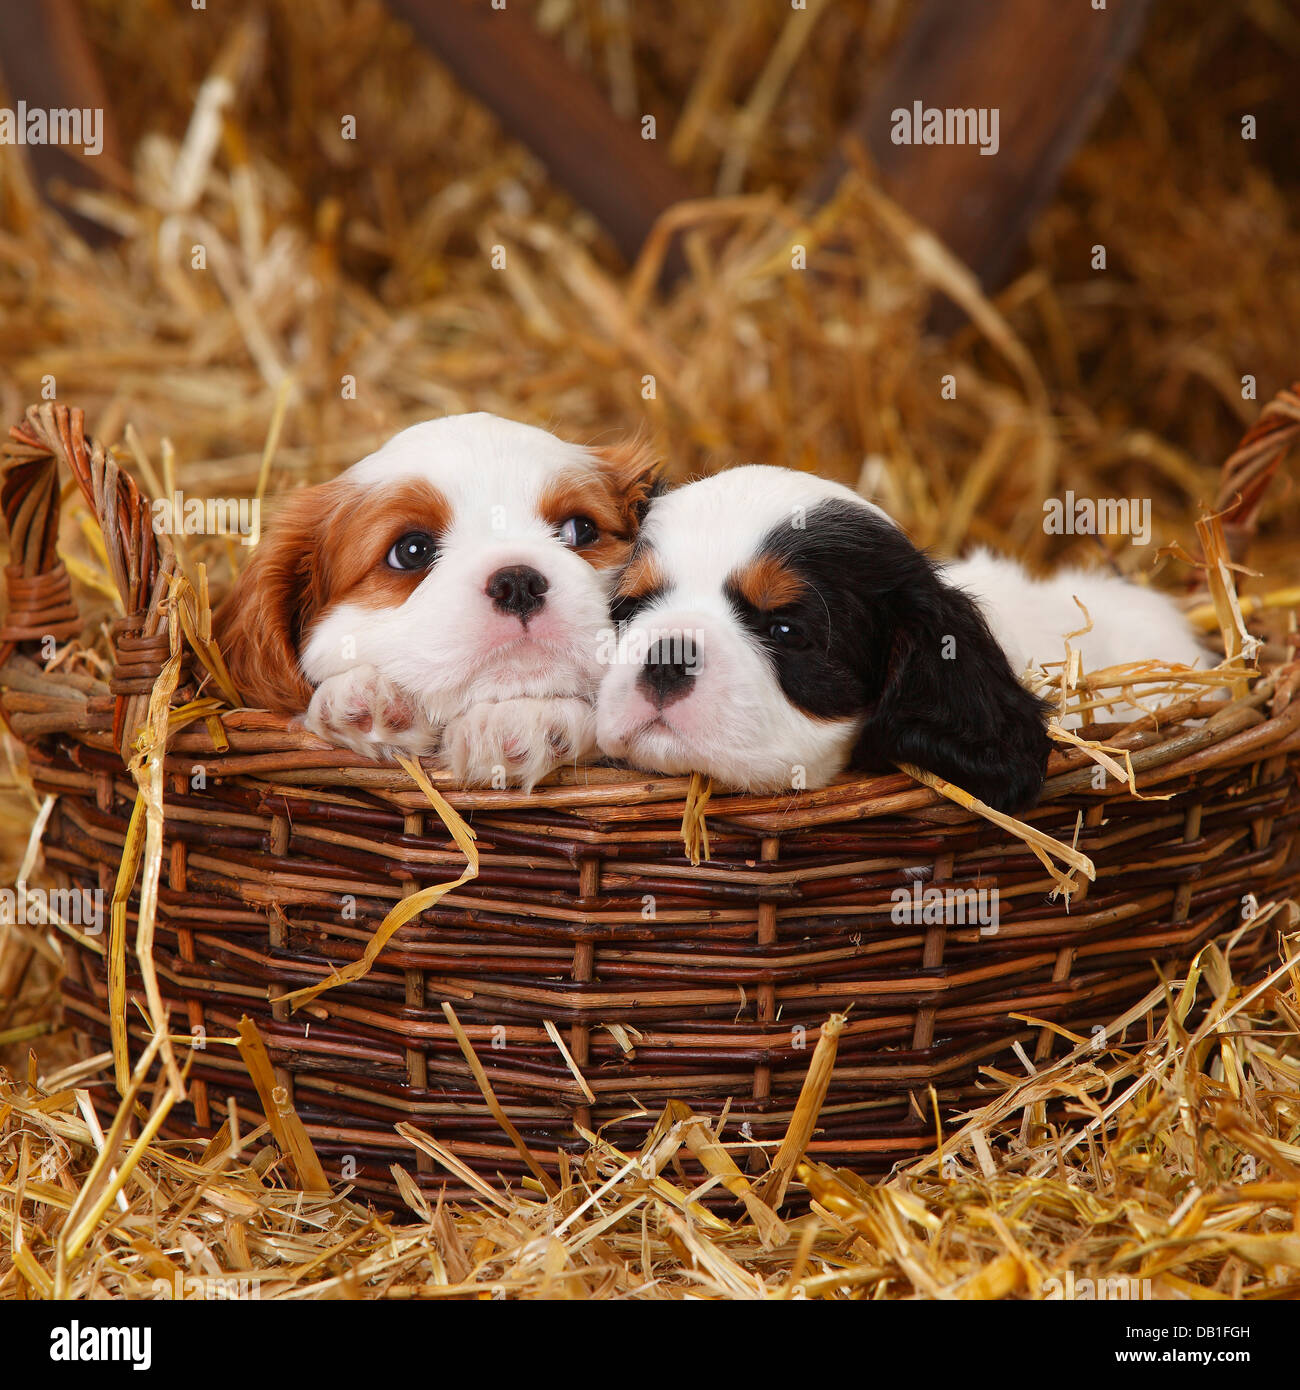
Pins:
x: 948, y: 699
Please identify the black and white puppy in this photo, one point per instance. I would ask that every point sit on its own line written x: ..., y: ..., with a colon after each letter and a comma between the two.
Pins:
x: 780, y: 629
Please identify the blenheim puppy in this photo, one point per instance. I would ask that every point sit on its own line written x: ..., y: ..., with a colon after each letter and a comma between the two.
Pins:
x: 780, y: 629
x: 451, y: 587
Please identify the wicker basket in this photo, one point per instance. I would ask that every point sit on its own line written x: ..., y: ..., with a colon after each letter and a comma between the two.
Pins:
x: 587, y: 925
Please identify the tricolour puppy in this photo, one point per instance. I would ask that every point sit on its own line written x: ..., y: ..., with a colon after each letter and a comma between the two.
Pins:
x: 780, y: 629
x: 451, y: 587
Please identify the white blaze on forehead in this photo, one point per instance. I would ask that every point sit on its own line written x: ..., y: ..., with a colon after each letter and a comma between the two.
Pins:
x: 703, y: 532
x: 492, y: 471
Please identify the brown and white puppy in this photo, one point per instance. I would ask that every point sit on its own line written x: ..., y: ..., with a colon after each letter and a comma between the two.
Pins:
x: 452, y: 588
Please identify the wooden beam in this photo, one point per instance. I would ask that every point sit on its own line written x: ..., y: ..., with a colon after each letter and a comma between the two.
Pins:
x: 558, y: 112
x: 1047, y: 66
x: 48, y: 65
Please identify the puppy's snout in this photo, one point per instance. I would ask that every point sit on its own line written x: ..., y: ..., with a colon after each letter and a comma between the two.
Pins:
x: 517, y: 590
x: 669, y: 669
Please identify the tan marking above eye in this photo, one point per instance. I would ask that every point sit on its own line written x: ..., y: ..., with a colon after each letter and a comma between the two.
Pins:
x: 362, y: 535
x: 768, y: 583
x: 586, y: 493
x: 591, y: 493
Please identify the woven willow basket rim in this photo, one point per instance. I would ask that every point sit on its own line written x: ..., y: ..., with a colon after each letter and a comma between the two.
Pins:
x: 781, y: 926
x: 142, y: 562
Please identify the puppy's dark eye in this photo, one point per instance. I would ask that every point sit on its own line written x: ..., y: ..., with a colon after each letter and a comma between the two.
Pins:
x: 786, y: 635
x: 415, y: 551
x: 578, y: 532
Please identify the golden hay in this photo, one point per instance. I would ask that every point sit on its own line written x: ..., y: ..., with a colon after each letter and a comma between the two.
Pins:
x: 1175, y: 1156
x: 1176, y: 1162
x: 369, y: 259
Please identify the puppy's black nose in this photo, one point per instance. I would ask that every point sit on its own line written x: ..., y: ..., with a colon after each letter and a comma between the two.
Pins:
x: 517, y: 589
x: 668, y: 672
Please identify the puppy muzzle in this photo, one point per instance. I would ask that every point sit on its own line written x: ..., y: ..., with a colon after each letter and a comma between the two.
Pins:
x: 669, y: 671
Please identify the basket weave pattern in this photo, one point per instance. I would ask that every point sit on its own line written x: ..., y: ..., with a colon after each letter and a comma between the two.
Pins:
x: 587, y: 925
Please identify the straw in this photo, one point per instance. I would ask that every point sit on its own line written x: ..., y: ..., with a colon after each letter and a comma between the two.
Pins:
x: 1071, y: 1204
x: 695, y: 828
x: 1069, y: 377
x: 1043, y: 846
x: 279, y: 1110
x: 410, y: 907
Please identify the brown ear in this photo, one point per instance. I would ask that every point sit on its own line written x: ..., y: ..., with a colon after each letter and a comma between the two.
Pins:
x: 633, y: 469
x: 281, y: 589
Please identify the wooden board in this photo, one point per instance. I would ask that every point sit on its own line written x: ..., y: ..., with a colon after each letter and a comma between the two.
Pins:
x: 1047, y: 66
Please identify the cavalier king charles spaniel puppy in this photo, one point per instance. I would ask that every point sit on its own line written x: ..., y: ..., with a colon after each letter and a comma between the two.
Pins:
x: 450, y: 589
x: 776, y: 629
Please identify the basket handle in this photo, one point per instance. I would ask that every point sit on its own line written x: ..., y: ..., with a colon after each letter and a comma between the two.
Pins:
x: 39, y: 590
x: 1250, y: 468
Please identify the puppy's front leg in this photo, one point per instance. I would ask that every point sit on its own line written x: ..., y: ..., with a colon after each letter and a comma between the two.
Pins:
x: 521, y: 740
x: 366, y: 712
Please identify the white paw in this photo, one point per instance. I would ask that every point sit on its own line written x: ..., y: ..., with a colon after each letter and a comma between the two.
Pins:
x: 366, y: 712
x: 503, y: 741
